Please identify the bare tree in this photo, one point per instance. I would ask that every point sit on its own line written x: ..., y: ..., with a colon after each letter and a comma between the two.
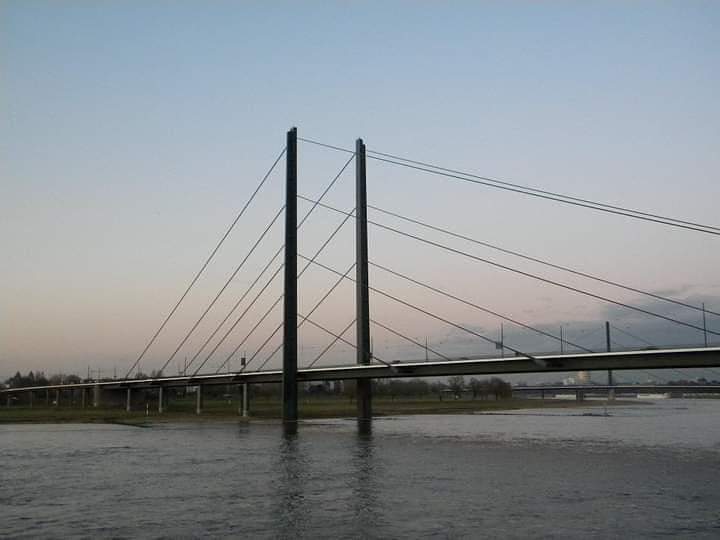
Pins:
x: 456, y: 384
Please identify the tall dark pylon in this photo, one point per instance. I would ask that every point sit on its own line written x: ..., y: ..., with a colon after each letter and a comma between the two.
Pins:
x: 362, y: 294
x: 289, y: 376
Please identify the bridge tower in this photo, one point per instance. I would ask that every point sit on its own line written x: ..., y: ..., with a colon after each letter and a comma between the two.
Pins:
x: 362, y: 295
x: 289, y: 375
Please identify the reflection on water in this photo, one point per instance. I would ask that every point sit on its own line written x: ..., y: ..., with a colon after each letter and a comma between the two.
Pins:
x: 365, y: 470
x: 642, y: 472
x: 291, y: 466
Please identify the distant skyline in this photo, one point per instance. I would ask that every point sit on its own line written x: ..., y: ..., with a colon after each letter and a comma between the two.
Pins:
x: 132, y: 133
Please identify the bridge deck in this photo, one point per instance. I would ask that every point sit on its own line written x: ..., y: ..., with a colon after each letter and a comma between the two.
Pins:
x: 654, y: 359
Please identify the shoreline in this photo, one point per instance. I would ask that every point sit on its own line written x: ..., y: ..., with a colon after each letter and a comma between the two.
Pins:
x: 268, y: 412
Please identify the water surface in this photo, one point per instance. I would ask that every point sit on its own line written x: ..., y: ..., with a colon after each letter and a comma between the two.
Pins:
x: 646, y: 471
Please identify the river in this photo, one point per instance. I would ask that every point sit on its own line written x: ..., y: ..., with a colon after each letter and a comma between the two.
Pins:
x: 643, y: 471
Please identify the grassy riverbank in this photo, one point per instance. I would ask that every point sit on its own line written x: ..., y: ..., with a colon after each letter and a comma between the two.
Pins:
x: 183, y: 410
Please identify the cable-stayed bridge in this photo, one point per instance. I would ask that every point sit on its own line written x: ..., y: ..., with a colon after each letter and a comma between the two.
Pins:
x: 287, y: 260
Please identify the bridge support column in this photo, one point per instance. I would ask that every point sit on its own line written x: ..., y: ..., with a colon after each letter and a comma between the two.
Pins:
x: 57, y: 397
x: 362, y: 295
x: 289, y: 376
x: 83, y: 397
x: 161, y: 400
x: 244, y: 408
x: 611, y: 392
x: 30, y: 398
x: 9, y: 401
x: 97, y: 396
x: 244, y: 404
x: 199, y: 399
x: 128, y: 400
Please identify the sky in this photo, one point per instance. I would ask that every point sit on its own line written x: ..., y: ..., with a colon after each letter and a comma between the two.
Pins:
x: 131, y: 133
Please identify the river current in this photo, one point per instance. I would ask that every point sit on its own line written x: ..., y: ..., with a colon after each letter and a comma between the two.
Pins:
x: 643, y: 471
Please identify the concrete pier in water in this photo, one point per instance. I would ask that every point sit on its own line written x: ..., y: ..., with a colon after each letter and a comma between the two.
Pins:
x: 199, y: 400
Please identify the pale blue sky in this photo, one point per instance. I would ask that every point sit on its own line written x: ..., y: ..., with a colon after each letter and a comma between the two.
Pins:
x: 131, y: 132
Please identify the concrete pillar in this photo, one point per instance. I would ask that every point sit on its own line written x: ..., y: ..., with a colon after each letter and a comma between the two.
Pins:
x: 47, y: 397
x: 31, y: 398
x: 199, y: 399
x: 245, y: 400
x: 161, y: 397
x: 57, y: 397
x: 128, y: 400
x: 243, y: 406
x: 83, y: 397
x: 8, y: 400
x: 97, y: 395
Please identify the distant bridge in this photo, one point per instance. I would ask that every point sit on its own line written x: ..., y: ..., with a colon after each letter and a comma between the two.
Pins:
x: 620, y: 389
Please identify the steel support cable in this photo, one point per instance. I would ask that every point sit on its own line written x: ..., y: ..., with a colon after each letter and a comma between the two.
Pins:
x: 348, y: 215
x: 340, y: 338
x: 595, y: 204
x: 353, y: 345
x: 331, y: 344
x: 669, y: 222
x: 411, y: 340
x: 534, y: 192
x: 207, y: 262
x: 237, y: 304
x: 617, y: 344
x: 317, y: 305
x: 331, y: 333
x: 305, y: 318
x: 428, y: 313
x: 262, y: 346
x: 592, y: 333
x: 633, y: 336
x: 326, y: 295
x: 337, y: 337
x: 250, y: 333
x: 646, y: 342
x: 223, y: 288
x: 480, y: 308
x: 527, y: 274
x: 540, y: 261
x: 240, y: 318
x: 327, y: 189
x: 279, y: 251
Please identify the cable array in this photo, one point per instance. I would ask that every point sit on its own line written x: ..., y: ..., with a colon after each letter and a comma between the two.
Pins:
x: 206, y: 263
x: 424, y: 167
x: 524, y: 273
x: 541, y: 261
x: 317, y: 254
x: 526, y: 190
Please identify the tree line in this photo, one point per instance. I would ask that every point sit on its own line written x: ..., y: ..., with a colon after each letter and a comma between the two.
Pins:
x: 455, y: 386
